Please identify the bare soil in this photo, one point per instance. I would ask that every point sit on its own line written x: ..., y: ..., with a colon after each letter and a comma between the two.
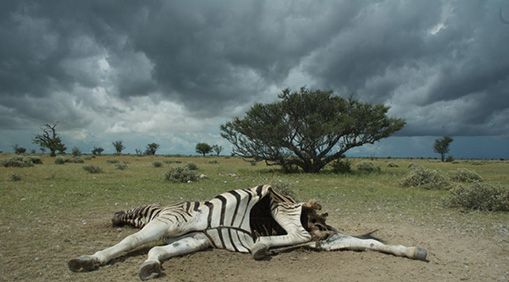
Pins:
x: 455, y: 252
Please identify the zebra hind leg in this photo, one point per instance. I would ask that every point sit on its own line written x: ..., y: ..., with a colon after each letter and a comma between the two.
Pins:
x: 151, y: 268
x: 151, y: 232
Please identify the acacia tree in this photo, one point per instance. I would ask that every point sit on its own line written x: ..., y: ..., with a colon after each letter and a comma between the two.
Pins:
x: 119, y: 146
x: 151, y: 149
x: 50, y: 139
x: 441, y: 146
x: 97, y: 151
x: 203, y: 148
x: 217, y: 149
x: 307, y: 129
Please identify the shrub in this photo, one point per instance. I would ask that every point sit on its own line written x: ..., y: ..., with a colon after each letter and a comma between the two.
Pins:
x: 252, y: 162
x: 341, y: 166
x: 213, y: 162
x: 181, y: 174
x: 391, y: 164
x: 75, y: 152
x: 425, y: 178
x: 367, y: 167
x: 192, y: 166
x: 59, y: 160
x: 112, y: 161
x: 449, y: 159
x: 17, y: 162
x: 121, y: 166
x: 14, y: 177
x: 35, y: 159
x: 75, y: 160
x: 479, y: 196
x: 92, y: 169
x: 157, y: 164
x: 172, y: 162
x: 465, y: 175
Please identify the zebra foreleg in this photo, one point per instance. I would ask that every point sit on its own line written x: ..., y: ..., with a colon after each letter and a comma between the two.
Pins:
x: 153, y: 231
x: 346, y: 242
x: 151, y: 268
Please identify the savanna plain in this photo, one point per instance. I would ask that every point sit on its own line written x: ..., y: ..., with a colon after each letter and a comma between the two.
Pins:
x: 50, y: 213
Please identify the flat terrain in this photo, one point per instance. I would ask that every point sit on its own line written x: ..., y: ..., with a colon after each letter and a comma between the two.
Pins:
x: 57, y: 212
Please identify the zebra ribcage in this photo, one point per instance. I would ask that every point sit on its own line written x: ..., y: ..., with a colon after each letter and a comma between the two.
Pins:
x: 228, y: 224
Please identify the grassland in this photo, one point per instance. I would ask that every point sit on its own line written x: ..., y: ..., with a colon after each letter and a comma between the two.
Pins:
x: 56, y: 212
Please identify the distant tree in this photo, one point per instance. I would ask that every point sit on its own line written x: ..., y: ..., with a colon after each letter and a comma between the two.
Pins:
x: 441, y: 146
x: 151, y: 149
x: 49, y: 139
x: 217, y: 149
x: 307, y: 129
x: 97, y: 151
x: 138, y: 152
x: 75, y: 151
x: 18, y: 150
x: 119, y: 146
x: 203, y: 148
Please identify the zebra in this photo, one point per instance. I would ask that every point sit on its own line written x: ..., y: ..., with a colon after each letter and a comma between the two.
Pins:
x: 259, y: 220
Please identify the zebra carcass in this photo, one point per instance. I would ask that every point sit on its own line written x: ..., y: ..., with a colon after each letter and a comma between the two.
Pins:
x: 260, y: 221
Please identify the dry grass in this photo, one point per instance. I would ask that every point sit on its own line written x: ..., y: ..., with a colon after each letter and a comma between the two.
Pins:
x: 57, y: 212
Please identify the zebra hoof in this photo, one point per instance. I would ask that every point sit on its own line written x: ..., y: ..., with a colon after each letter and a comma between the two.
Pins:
x: 260, y: 251
x: 420, y: 254
x: 149, y: 270
x: 83, y: 263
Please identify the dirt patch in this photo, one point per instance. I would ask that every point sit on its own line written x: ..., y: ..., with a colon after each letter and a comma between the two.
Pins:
x: 453, y: 256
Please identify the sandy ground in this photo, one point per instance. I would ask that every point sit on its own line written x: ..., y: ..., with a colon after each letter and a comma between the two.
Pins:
x: 454, y: 255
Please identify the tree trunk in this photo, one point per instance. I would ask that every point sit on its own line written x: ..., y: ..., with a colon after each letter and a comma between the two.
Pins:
x: 443, y: 157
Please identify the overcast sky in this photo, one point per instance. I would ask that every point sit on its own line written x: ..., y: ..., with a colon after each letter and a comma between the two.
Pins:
x: 171, y: 72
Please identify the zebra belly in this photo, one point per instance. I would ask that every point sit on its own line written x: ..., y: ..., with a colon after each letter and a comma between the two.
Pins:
x: 230, y: 239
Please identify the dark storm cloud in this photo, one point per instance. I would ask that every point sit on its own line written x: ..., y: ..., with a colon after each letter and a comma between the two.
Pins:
x: 426, y: 59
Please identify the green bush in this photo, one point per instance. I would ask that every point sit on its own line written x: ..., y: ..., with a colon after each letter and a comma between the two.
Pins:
x: 425, y: 178
x: 18, y: 162
x: 391, y: 164
x: 35, y: 159
x: 121, y: 166
x: 59, y: 160
x: 192, y: 166
x: 14, y: 177
x: 367, y: 167
x: 181, y: 174
x: 465, y: 175
x: 157, y: 164
x: 74, y: 160
x: 112, y: 161
x: 479, y: 196
x: 92, y: 169
x: 172, y: 162
x: 341, y: 166
x: 449, y: 159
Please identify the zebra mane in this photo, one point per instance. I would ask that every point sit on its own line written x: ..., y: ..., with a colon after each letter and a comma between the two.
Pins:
x: 136, y: 217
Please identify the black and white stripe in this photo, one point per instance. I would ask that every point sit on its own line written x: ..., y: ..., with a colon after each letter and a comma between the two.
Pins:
x: 229, y: 222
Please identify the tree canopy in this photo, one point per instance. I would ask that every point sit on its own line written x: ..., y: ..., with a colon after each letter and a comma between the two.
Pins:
x: 50, y: 139
x: 307, y: 129
x: 203, y: 148
x: 441, y: 146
